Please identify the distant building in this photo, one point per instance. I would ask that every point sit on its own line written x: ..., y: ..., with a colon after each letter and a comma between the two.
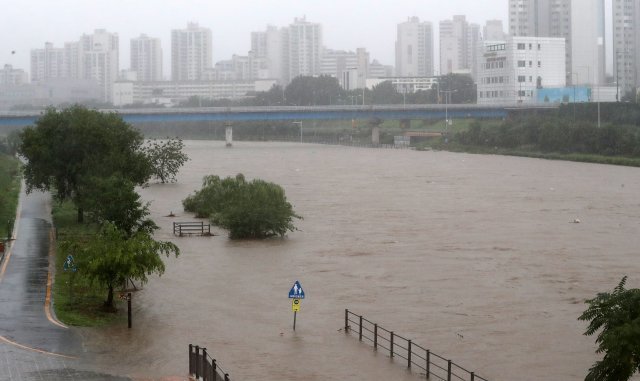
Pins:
x: 513, y: 71
x: 48, y: 63
x: 336, y: 63
x: 493, y: 31
x: 459, y: 43
x: 51, y: 92
x: 95, y: 57
x: 239, y: 68
x: 406, y: 85
x: 626, y: 46
x: 146, y: 58
x: 173, y: 92
x: 414, y: 49
x: 579, y: 22
x: 304, y: 46
x: 378, y: 70
x: 191, y: 53
x: 272, y: 46
x: 11, y: 76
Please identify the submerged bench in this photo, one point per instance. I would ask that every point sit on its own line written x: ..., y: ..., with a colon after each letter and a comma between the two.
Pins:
x: 191, y: 228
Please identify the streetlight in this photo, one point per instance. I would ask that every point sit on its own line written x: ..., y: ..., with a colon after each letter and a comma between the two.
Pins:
x: 299, y: 123
x: 447, y: 99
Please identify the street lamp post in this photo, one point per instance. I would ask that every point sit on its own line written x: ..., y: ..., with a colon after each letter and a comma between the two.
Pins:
x: 299, y: 123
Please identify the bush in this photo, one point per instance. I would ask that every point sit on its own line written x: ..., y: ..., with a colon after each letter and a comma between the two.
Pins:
x: 255, y: 209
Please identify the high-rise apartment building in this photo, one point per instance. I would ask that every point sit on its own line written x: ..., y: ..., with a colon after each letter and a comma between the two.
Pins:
x: 304, y: 42
x: 94, y: 57
x: 11, y: 76
x: 414, y: 49
x: 626, y: 45
x: 146, y: 58
x: 270, y: 45
x: 191, y: 52
x: 493, y: 31
x: 459, y: 43
x: 48, y: 63
x: 579, y: 22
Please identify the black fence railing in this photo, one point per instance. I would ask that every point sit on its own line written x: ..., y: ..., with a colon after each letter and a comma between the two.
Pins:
x: 203, y: 367
x: 435, y: 367
x: 189, y: 228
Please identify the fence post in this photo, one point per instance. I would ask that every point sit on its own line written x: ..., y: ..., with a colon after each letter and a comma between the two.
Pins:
x: 473, y: 376
x: 409, y: 354
x: 375, y: 336
x: 428, y: 363
x: 197, y: 362
x: 391, y: 345
x: 214, y: 370
x: 226, y: 377
x: 346, y: 320
x: 204, y: 364
x: 449, y: 370
x: 191, y: 359
x: 360, y: 329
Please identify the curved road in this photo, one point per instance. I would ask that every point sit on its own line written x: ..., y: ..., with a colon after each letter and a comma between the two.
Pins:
x: 33, y: 345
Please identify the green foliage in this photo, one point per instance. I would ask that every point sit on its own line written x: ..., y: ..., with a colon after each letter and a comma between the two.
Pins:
x: 111, y: 257
x: 66, y: 147
x: 9, y: 190
x: 255, y: 209
x: 617, y: 316
x: 166, y: 158
x: 310, y: 91
x: 113, y: 199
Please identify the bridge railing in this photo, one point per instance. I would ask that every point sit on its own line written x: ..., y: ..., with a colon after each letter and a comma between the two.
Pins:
x: 435, y: 367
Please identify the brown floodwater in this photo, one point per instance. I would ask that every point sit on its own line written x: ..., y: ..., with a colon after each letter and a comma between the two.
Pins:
x: 473, y: 256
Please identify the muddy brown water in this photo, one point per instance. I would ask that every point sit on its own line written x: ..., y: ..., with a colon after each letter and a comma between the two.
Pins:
x: 473, y: 256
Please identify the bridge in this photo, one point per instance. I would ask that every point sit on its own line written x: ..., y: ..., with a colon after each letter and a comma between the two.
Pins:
x: 294, y: 113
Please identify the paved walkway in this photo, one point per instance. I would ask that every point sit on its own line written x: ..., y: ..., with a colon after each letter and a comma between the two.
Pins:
x: 33, y: 345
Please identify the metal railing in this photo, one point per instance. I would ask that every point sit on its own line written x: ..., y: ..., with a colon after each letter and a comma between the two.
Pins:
x: 434, y: 366
x: 189, y: 228
x: 204, y: 367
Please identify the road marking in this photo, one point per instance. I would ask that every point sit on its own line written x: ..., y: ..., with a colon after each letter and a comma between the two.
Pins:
x: 2, y: 338
x: 47, y: 299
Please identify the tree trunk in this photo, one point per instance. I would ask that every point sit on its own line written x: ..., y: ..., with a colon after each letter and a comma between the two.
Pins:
x: 80, y: 215
x: 108, y: 304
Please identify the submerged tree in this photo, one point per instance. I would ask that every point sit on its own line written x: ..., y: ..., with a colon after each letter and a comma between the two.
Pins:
x: 111, y: 257
x: 617, y: 316
x: 254, y: 209
x: 166, y: 158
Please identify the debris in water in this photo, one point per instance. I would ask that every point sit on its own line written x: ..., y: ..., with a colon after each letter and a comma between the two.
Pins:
x: 576, y: 221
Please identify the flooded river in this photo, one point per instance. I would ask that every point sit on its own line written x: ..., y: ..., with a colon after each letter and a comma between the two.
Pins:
x: 475, y: 257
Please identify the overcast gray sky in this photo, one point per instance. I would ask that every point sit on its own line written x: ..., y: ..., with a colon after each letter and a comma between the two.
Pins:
x: 347, y: 24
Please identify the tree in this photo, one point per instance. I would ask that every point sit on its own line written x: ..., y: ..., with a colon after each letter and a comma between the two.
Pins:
x: 255, y: 209
x: 66, y: 147
x: 111, y: 257
x: 311, y: 91
x: 166, y: 158
x: 617, y: 316
x: 114, y: 200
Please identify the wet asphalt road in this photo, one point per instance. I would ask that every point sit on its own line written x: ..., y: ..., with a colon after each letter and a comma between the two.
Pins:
x: 31, y: 346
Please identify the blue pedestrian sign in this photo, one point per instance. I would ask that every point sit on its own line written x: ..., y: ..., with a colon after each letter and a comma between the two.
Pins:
x: 69, y: 264
x: 296, y: 291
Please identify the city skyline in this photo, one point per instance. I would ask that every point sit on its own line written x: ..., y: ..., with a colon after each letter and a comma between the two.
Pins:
x: 345, y: 27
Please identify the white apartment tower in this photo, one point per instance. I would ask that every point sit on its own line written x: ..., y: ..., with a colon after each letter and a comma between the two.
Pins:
x: 459, y: 42
x: 493, y: 31
x: 146, y: 58
x: 95, y: 57
x: 48, y: 63
x: 11, y: 76
x: 512, y: 71
x: 626, y: 45
x: 191, y: 52
x: 414, y: 49
x: 304, y: 42
x: 270, y: 45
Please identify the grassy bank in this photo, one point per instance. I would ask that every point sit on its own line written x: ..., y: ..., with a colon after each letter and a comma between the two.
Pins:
x: 76, y: 301
x: 9, y: 192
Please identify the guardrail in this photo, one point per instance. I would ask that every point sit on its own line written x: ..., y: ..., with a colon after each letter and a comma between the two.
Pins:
x: 435, y: 366
x: 204, y: 367
x: 188, y: 228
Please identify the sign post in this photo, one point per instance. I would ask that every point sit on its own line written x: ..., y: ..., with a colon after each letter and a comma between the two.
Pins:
x: 296, y: 293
